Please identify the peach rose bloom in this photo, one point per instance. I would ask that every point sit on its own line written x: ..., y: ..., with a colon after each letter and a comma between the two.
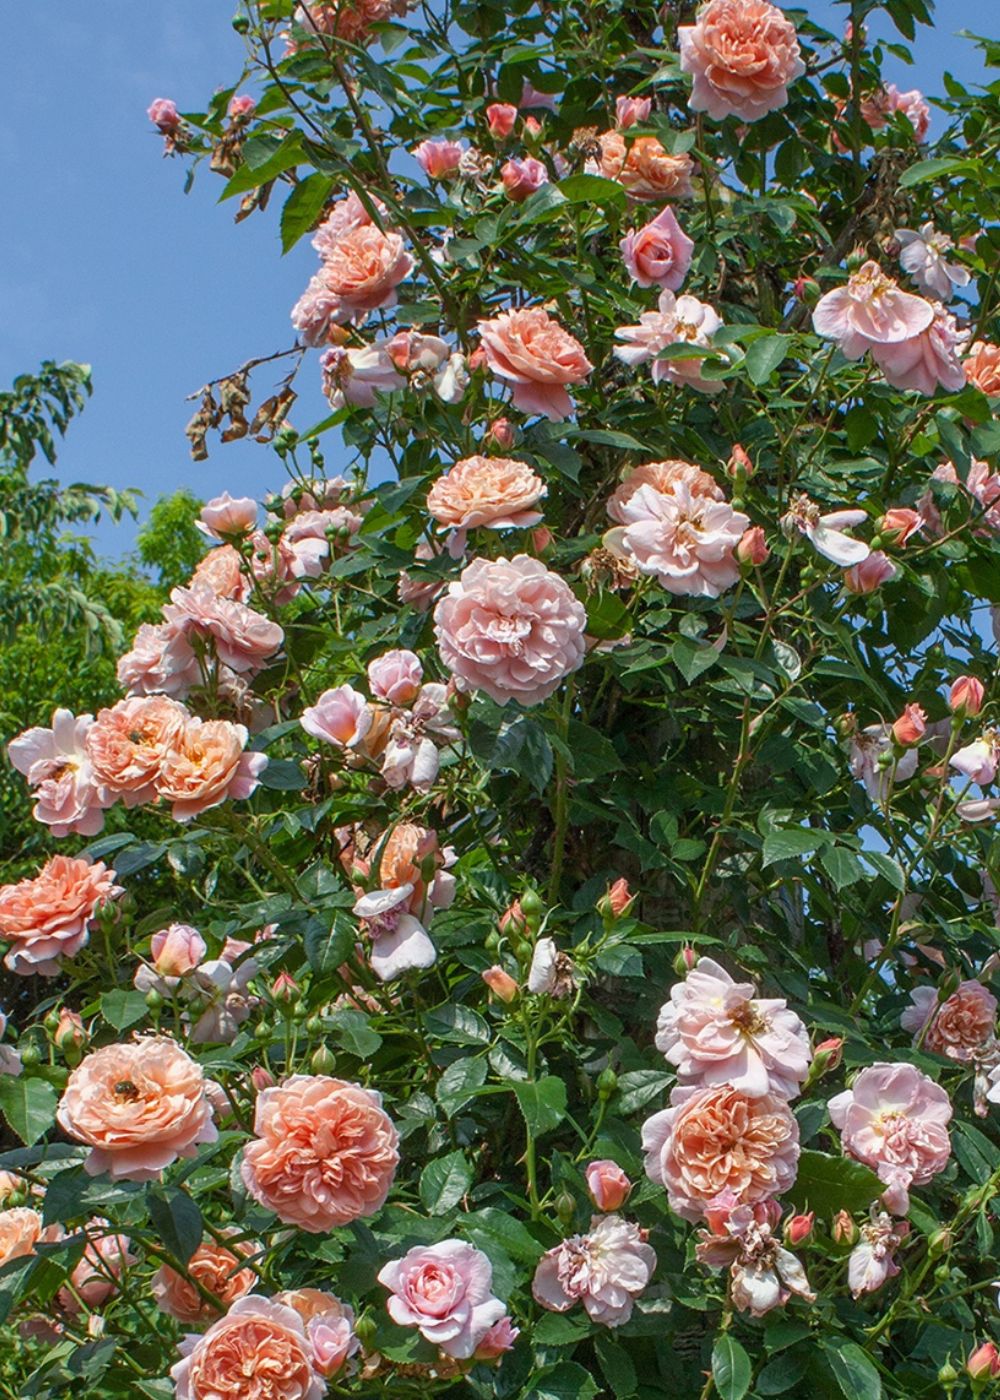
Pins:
x: 20, y: 1231
x: 329, y: 1325
x: 533, y: 352
x: 207, y: 765
x: 648, y: 172
x: 742, y: 55
x: 126, y: 743
x: 217, y: 1267
x: 982, y: 367
x: 717, y: 1139
x: 138, y: 1106
x: 360, y: 273
x: 48, y: 917
x: 663, y: 477
x: 162, y: 660
x: 325, y: 1152
x: 221, y: 570
x: 496, y: 492
x: 258, y: 1351
x: 244, y: 639
x: 959, y: 1026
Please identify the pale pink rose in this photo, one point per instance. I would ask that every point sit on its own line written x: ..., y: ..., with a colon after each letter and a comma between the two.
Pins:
x: 418, y: 591
x: 162, y: 661
x: 608, y: 1185
x: 164, y: 115
x: 414, y: 881
x: 979, y: 760
x: 872, y: 1262
x: 911, y: 104
x: 630, y: 111
x: 659, y: 254
x: 501, y: 118
x: 329, y: 1326
x: 445, y: 1290
x: 94, y: 1279
x: 440, y: 158
x: 928, y: 360
x: 259, y: 1349
x: 499, y: 1339
x: 58, y: 768
x: 411, y: 754
x: 646, y: 170
x: 221, y: 1268
x: 966, y: 696
x: 825, y: 530
x: 742, y: 55
x: 980, y: 483
x: 346, y: 215
x: 686, y: 542
x: 227, y: 515
x: 870, y: 311
x: 138, y: 1106
x: 126, y: 744
x: 718, y: 1137
x: 533, y: 352
x: 325, y: 1152
x: 676, y: 321
x: 511, y: 628
x: 356, y: 374
x: 47, y: 917
x: 20, y: 1231
x: 606, y: 1269
x: 531, y: 97
x: 895, y: 1120
x: 177, y: 950
x: 360, y: 274
x: 493, y: 492
x: 222, y: 571
x: 207, y: 765
x: 341, y: 716
x: 923, y: 256
x: 959, y: 1026
x: 244, y: 639
x: 240, y: 107
x: 868, y: 748
x: 982, y: 367
x: 870, y: 574
x: 314, y: 535
x: 663, y: 477
x: 395, y: 677
x: 522, y: 177
x: 715, y: 1030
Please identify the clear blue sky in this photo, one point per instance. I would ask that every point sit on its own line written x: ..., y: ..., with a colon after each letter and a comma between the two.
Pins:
x: 104, y: 259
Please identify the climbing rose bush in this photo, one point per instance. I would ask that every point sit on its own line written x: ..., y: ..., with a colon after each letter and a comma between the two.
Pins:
x: 529, y: 926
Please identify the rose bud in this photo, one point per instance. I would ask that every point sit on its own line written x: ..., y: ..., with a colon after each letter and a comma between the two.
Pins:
x: 501, y: 117
x: 500, y: 434
x: 630, y: 110
x: 512, y: 920
x: 798, y: 1228
x: 608, y: 1185
x: 966, y: 696
x: 500, y: 1338
x: 685, y: 960
x: 541, y: 538
x: 618, y: 900
x: 911, y: 726
x: 739, y: 466
x: 500, y: 983
x: 477, y: 360
x: 806, y: 289
x: 532, y: 128
x: 870, y: 574
x: 70, y: 1038
x: 984, y: 1362
x: 844, y: 1231
x: 177, y: 950
x: 284, y: 989
x: 261, y: 1079
x: 826, y: 1056
x: 752, y: 548
x: 898, y: 525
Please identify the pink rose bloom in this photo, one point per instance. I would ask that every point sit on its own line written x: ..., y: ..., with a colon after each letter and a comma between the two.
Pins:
x: 164, y: 115
x: 870, y: 311
x: 533, y: 352
x: 345, y: 216
x: 605, y: 1269
x: 94, y: 1279
x: 240, y: 107
x: 440, y: 159
x: 659, y: 254
x: 900, y: 524
x: 663, y: 477
x: 966, y: 696
x: 608, y: 1185
x: 978, y: 761
x: 20, y: 1231
x: 716, y: 1138
x: 872, y: 1262
x: 912, y: 105
x: 958, y: 1027
x: 138, y: 1106
x: 630, y: 111
x: 329, y: 1326
x: 360, y: 274
x: 511, y: 628
x: 742, y: 55
x: 244, y: 639
x: 532, y: 97
x: 325, y: 1152
x: 218, y: 1267
x: 259, y: 1349
x: 501, y: 118
x: 307, y: 538
x: 445, y: 1290
x: 870, y: 574
x: 227, y: 515
x: 924, y: 257
x: 895, y: 1120
x: 928, y: 360
x: 395, y: 677
x: 522, y: 178
x: 982, y: 367
x: 685, y: 541
x: 676, y: 321
x: 911, y: 726
x: 341, y: 716
x: 644, y: 169
x: 982, y: 485
x: 57, y: 766
x: 714, y: 1030
x: 47, y: 917
x: 162, y: 661
x: 492, y: 492
x: 222, y: 571
x: 499, y: 1339
x: 126, y: 744
x: 207, y: 765
x: 356, y: 374
x: 177, y: 950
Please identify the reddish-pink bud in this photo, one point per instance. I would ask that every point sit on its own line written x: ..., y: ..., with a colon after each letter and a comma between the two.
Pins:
x: 966, y: 696
x: 284, y: 989
x: 501, y: 117
x: 500, y: 983
x: 739, y: 464
x: 512, y: 920
x: 500, y: 434
x: 608, y: 1185
x: 261, y: 1079
x: 828, y: 1054
x: 984, y: 1362
x: 911, y: 726
x: 798, y: 1228
x: 620, y: 898
x: 899, y: 524
x: 541, y: 538
x: 752, y: 548
x: 477, y: 360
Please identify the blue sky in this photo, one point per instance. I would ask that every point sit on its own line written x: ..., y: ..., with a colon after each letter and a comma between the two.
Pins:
x: 104, y: 259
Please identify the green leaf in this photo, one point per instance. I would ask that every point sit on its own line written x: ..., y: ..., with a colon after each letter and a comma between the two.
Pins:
x: 122, y: 1008
x: 459, y: 1083
x: 444, y: 1181
x: 519, y: 746
x: 303, y: 207
x: 619, y: 1372
x: 765, y: 355
x: 273, y: 161
x: 827, y: 1184
x: 560, y: 1330
x: 593, y: 189
x: 691, y: 659
x: 328, y: 946
x: 567, y: 1381
x: 29, y: 1106
x: 843, y: 866
x: 14, y: 1277
x: 779, y: 1375
x: 176, y: 1219
x: 500, y: 1227
x: 784, y: 843
x: 925, y: 170
x: 282, y: 775
x: 458, y: 1024
x: 543, y: 1103
x: 638, y: 1086
x: 731, y: 1368
x: 888, y: 868
x: 853, y: 1371
x: 354, y: 1032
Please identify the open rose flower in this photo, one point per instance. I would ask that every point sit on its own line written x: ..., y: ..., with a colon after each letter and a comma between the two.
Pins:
x: 869, y: 312
x: 243, y: 639
x: 685, y: 541
x: 20, y: 1231
x: 663, y: 477
x: 329, y: 1326
x: 162, y: 660
x: 926, y: 361
x: 606, y: 1269
x: 684, y: 321
x: 360, y: 274
x: 924, y: 257
x: 445, y: 1290
x: 440, y: 159
x: 227, y: 515
x: 138, y: 1107
x: 219, y: 1268
x: 126, y: 744
x: 742, y: 55
x: 207, y: 764
x: 659, y: 254
x: 716, y: 1138
x: 493, y: 492
x: 533, y: 353
x: 58, y: 768
x: 47, y: 917
x: 982, y: 367
x: 324, y: 1152
x: 258, y: 1350
x: 511, y: 628
x: 647, y: 171
x: 957, y: 1027
x: 341, y: 716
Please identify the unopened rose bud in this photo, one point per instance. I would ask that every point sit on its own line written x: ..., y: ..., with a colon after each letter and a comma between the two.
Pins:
x: 685, y: 960
x: 846, y: 724
x: 532, y: 128
x: 500, y: 434
x: 984, y: 1363
x: 154, y: 1000
x: 608, y: 1185
x: 261, y: 1079
x: 70, y: 1038
x: 798, y: 1228
x: 177, y: 950
x: 806, y: 289
x: 966, y: 696
x: 324, y: 1061
x: 910, y: 727
x: 284, y: 990
x: 541, y: 538
x: 565, y: 1207
x: 739, y: 467
x: 827, y: 1056
x: 856, y: 259
x: 844, y: 1231
x: 31, y: 1054
x: 477, y: 360
x: 630, y: 110
x: 607, y: 1083
x: 501, y: 117
x: 616, y: 902
x: 500, y: 983
x: 939, y: 1243
x: 898, y: 525
x: 752, y: 549
x: 532, y: 908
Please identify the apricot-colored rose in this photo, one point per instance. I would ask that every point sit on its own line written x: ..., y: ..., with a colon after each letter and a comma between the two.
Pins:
x: 243, y: 638
x: 258, y: 1351
x: 329, y: 1325
x: 206, y: 765
x: 742, y: 55
x: 219, y: 1268
x: 982, y: 367
x: 47, y: 917
x: 221, y: 570
x: 648, y: 172
x: 138, y: 1106
x: 497, y: 492
x: 663, y: 477
x: 360, y: 273
x: 325, y: 1152
x: 126, y: 744
x: 20, y: 1231
x: 535, y: 354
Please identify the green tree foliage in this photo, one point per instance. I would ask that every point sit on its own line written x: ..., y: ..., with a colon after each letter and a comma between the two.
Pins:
x: 169, y: 543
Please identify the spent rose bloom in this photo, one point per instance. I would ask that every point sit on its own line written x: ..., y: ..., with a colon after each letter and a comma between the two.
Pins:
x: 959, y: 1026
x: 531, y: 351
x: 206, y: 765
x: 395, y: 676
x: 659, y: 254
x: 511, y: 628
x: 324, y: 1153
x: 138, y: 1106
x: 924, y: 257
x: 895, y: 1120
x: 606, y: 1269
x: 676, y: 321
x: 445, y: 1290
x: 608, y: 1185
x: 241, y: 106
x: 763, y: 1274
x: 872, y: 1260
x: 825, y: 530
x: 341, y: 716
x: 492, y: 492
x: 742, y: 54
x: 439, y: 158
x: 715, y: 1030
x: 47, y: 917
x: 259, y: 1349
x: 58, y: 769
x: 663, y: 477
x: 126, y: 744
x: 718, y: 1137
x: 982, y: 367
x: 685, y: 541
x: 221, y: 1268
x: 228, y: 515
x: 355, y: 374
x: 163, y: 113
x: 868, y: 748
x: 869, y: 311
